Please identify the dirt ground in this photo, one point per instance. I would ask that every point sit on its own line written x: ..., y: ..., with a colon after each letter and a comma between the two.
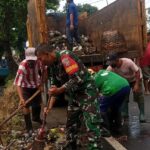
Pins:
x: 57, y: 117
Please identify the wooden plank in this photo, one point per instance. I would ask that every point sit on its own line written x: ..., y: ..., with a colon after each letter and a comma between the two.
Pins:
x: 100, y: 58
x: 122, y: 15
x: 37, y: 23
x: 114, y: 143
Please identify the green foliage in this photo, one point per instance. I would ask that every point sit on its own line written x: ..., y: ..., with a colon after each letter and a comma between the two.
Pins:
x: 13, y: 23
x: 87, y: 8
x: 13, y: 15
x: 52, y: 4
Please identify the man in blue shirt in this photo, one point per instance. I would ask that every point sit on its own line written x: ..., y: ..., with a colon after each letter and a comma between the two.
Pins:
x: 72, y: 23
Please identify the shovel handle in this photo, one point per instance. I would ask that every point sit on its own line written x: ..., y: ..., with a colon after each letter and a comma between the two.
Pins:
x: 20, y: 107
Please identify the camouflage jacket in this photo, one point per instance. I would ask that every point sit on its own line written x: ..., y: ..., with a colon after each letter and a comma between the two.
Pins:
x: 70, y: 72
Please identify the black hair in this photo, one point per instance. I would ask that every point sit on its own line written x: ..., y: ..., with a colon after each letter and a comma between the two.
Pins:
x: 112, y: 55
x: 31, y: 63
x: 44, y: 48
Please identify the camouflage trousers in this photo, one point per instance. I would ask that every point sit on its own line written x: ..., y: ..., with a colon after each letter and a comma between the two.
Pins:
x: 83, y: 121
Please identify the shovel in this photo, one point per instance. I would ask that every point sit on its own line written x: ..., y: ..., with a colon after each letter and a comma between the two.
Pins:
x: 39, y: 142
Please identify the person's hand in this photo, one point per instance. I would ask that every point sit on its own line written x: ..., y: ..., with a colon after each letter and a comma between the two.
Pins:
x: 22, y: 102
x: 136, y: 88
x: 53, y: 90
x: 71, y: 27
x: 41, y: 88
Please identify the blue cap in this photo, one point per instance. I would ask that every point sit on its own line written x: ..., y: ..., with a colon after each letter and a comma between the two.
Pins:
x: 112, y: 56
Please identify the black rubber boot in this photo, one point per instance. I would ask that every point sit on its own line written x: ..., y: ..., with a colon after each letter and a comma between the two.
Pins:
x: 125, y: 110
x: 142, y: 114
x: 36, y: 111
x: 28, y: 122
x: 106, y: 120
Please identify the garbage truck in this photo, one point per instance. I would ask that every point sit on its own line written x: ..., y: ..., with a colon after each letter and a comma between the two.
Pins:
x: 125, y: 16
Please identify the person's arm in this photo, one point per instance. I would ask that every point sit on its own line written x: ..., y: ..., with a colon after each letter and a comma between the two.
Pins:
x: 18, y: 82
x: 65, y: 87
x: 19, y: 90
x: 71, y: 67
x: 54, y: 90
x: 73, y: 81
x: 71, y: 21
x: 135, y: 69
x: 71, y: 11
x: 137, y: 81
x: 43, y: 77
x: 44, y: 74
x: 109, y: 68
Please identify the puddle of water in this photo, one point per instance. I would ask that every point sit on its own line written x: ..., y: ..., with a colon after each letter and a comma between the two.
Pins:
x: 134, y: 127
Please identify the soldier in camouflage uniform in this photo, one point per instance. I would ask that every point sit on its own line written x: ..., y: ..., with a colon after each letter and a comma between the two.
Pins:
x: 77, y: 83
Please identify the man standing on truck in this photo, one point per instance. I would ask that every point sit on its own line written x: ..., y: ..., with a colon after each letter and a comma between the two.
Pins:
x: 76, y: 81
x: 72, y: 24
x: 27, y: 82
x: 126, y: 68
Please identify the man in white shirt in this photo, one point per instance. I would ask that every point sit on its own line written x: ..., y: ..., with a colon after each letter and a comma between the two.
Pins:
x: 126, y: 68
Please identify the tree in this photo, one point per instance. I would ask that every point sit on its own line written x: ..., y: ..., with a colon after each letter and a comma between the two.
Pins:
x: 87, y: 8
x: 13, y: 15
x: 12, y: 27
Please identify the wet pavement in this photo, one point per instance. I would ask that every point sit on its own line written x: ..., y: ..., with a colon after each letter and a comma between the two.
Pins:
x: 136, y: 134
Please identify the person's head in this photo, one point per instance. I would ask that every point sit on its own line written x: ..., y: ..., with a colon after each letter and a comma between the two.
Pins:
x: 68, y: 1
x: 112, y: 59
x: 30, y: 56
x: 45, y: 53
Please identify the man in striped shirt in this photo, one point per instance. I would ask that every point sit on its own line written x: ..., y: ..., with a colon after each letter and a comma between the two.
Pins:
x: 27, y: 82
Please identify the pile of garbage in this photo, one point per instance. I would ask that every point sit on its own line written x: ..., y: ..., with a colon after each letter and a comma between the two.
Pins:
x: 12, y: 134
x: 53, y: 139
x: 8, y: 104
x: 57, y: 39
x: 84, y: 48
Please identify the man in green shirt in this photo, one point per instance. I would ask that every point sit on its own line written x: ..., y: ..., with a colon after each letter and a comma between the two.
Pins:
x: 114, y: 90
